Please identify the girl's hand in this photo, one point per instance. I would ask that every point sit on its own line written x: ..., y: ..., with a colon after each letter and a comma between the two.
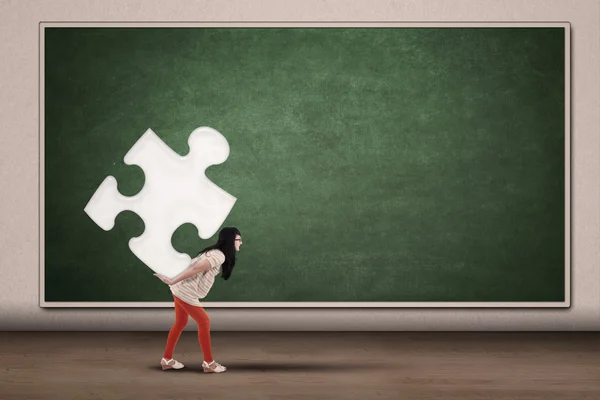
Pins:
x: 164, y: 279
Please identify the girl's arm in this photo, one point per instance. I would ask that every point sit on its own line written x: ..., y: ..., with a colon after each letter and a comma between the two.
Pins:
x: 192, y: 270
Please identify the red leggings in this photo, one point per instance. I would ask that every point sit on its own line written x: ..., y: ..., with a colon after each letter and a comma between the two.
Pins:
x: 182, y: 311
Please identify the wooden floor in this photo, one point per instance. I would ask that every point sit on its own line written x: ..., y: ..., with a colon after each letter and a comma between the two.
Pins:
x: 303, y: 365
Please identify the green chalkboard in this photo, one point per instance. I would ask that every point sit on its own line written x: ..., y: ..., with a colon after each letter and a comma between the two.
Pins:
x: 370, y: 164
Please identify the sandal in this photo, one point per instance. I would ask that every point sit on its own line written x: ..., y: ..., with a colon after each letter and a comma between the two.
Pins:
x: 170, y: 364
x: 213, y: 367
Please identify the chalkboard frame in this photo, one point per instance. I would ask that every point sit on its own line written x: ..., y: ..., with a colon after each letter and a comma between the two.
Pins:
x: 567, y: 183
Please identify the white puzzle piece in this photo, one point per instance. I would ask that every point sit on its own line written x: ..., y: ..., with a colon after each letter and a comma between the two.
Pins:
x: 176, y: 192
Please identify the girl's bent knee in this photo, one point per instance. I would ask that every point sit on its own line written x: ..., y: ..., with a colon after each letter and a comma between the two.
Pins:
x: 179, y: 326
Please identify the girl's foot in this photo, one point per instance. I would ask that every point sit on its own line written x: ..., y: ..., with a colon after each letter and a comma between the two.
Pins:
x: 170, y: 364
x: 213, y: 367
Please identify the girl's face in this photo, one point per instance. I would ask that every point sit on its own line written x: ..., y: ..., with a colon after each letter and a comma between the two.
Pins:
x: 238, y: 242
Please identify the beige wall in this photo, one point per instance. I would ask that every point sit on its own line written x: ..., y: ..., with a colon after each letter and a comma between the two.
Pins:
x: 19, y: 122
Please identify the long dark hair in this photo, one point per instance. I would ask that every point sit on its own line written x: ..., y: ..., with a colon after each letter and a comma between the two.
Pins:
x: 225, y: 243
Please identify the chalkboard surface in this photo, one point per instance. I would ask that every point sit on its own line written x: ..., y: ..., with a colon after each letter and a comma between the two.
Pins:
x: 369, y: 164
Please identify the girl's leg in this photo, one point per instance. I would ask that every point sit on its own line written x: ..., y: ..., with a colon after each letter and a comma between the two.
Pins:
x: 203, y: 321
x: 181, y: 320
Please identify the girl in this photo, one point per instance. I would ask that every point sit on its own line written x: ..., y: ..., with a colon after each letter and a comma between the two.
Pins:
x: 194, y: 283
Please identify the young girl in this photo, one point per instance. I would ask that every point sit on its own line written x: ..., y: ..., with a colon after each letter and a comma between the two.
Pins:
x: 194, y: 283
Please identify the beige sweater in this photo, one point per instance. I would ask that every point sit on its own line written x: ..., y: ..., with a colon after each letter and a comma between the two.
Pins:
x: 197, y: 286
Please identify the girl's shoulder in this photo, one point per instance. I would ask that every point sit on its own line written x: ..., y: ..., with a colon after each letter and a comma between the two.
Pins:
x: 215, y: 257
x: 214, y: 253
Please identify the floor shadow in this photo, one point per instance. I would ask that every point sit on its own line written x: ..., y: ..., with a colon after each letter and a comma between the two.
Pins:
x: 189, y: 367
x: 260, y: 366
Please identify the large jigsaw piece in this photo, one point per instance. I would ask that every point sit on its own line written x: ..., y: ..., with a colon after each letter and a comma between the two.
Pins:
x: 176, y: 191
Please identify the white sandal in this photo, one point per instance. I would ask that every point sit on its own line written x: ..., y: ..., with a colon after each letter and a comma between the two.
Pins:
x: 213, y: 367
x: 170, y: 364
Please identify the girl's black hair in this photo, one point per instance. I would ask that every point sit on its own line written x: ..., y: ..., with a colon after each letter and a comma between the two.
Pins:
x: 225, y: 243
